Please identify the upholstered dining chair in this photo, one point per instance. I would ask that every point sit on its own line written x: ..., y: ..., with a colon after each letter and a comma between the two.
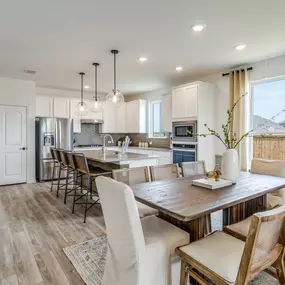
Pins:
x: 268, y: 167
x: 273, y: 168
x: 193, y: 168
x: 137, y: 175
x: 224, y: 259
x: 140, y: 251
x: 164, y: 172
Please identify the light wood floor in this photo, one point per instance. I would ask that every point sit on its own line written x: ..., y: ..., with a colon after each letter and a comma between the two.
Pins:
x: 34, y: 228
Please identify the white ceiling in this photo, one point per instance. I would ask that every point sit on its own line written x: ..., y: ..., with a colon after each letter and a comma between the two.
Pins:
x: 60, y: 38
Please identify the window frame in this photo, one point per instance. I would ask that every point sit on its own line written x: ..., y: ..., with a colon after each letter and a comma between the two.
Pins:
x: 252, y: 84
x: 151, y: 121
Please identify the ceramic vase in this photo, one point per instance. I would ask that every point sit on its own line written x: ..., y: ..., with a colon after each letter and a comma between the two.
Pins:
x: 231, y: 167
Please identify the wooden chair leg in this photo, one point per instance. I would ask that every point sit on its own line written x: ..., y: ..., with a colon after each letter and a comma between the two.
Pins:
x: 183, y: 273
x: 280, y: 268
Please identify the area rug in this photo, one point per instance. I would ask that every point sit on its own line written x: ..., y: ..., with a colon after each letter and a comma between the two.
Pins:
x: 89, y: 260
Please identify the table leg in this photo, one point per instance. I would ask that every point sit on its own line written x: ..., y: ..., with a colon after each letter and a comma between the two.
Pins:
x: 242, y: 211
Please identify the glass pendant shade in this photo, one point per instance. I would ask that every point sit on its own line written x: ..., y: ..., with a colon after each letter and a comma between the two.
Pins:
x: 97, y: 106
x: 115, y: 97
x: 81, y: 109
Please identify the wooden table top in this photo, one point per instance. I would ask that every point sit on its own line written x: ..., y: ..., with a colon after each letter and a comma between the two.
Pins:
x: 185, y: 202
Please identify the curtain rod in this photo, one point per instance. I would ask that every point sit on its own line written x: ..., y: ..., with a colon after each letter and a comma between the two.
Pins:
x: 248, y: 69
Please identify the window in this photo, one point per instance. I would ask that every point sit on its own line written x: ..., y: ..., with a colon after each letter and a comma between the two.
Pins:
x: 268, y: 103
x: 155, y: 120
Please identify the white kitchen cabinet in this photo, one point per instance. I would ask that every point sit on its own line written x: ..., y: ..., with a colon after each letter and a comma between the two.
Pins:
x: 73, y: 115
x: 44, y: 106
x: 184, y: 102
x: 109, y: 117
x: 166, y: 104
x: 136, y: 116
x: 120, y: 120
x: 61, y: 107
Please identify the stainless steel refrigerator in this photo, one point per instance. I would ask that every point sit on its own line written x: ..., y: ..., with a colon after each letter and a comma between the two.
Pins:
x: 51, y: 132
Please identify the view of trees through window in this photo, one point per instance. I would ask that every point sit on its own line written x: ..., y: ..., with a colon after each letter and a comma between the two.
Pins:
x: 268, y: 107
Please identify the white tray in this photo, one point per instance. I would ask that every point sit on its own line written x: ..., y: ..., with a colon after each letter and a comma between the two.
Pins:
x: 212, y: 183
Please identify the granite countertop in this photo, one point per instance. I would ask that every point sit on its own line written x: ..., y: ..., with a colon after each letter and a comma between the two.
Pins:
x: 113, y: 156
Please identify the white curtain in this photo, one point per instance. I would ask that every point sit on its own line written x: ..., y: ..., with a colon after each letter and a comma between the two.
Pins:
x: 241, y: 120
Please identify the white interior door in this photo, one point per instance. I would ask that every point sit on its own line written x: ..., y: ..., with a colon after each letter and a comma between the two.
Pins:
x: 13, y: 145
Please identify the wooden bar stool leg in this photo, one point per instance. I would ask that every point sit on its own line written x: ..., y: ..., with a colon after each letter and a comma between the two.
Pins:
x: 52, y: 177
x: 183, y: 273
x: 58, y: 181
x: 74, y: 197
x: 90, y: 185
x: 86, y: 199
x: 66, y: 184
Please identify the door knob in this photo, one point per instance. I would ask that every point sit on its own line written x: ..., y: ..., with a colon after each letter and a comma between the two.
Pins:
x: 22, y: 148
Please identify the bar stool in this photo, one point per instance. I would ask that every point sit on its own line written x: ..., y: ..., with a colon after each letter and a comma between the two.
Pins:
x: 62, y: 167
x: 71, y: 171
x: 54, y: 167
x: 83, y: 171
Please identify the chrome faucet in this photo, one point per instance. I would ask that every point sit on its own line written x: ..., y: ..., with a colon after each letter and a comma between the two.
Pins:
x: 104, y: 141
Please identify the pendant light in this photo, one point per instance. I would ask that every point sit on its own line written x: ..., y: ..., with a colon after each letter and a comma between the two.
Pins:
x: 81, y: 107
x: 115, y: 95
x: 97, y: 105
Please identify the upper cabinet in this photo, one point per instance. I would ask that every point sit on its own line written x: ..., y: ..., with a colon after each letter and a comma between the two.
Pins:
x: 61, y: 107
x: 109, y: 117
x: 166, y: 104
x: 184, y: 102
x: 136, y: 116
x: 120, y: 122
x: 44, y: 106
x: 73, y: 115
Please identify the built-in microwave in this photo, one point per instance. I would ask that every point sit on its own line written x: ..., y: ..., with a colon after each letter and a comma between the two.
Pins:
x: 183, y: 131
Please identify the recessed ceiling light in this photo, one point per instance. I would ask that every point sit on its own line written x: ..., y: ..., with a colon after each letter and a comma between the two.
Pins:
x: 179, y: 68
x: 240, y: 47
x: 86, y: 87
x: 143, y: 59
x: 198, y: 28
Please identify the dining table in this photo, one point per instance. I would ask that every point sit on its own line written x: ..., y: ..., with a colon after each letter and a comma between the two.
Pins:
x: 186, y: 205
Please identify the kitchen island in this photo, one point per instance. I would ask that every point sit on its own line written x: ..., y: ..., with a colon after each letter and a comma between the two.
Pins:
x: 111, y: 159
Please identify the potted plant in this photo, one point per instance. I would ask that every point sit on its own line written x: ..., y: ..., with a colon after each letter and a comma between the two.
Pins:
x: 230, y: 140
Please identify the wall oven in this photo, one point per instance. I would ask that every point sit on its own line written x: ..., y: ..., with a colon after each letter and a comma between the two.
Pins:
x: 180, y: 131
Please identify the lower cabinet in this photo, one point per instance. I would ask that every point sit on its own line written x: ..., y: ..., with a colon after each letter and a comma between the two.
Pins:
x: 183, y: 156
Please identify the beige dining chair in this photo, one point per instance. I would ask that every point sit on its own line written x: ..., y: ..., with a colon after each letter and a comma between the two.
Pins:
x: 224, y: 259
x: 193, y: 168
x: 164, y: 172
x: 137, y: 175
x: 140, y: 251
x: 268, y: 167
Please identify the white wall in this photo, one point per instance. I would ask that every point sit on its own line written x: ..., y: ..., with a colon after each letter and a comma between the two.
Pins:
x: 265, y: 69
x: 22, y: 93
